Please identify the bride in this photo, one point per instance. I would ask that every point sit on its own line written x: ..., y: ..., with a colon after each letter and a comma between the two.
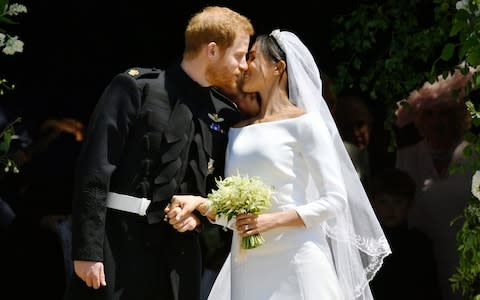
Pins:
x: 322, y: 239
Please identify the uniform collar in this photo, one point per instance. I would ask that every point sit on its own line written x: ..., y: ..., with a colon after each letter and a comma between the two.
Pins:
x: 180, y: 85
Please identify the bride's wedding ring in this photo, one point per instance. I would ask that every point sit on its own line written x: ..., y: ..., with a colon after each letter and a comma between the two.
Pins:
x: 246, y: 227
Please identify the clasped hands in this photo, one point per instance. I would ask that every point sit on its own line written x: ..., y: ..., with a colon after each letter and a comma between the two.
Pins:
x: 179, y: 213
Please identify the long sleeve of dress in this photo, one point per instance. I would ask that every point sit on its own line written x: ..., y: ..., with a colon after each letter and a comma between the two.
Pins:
x: 102, y: 149
x: 319, y: 153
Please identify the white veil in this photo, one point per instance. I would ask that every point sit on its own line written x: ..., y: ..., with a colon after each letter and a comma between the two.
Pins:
x: 357, y: 242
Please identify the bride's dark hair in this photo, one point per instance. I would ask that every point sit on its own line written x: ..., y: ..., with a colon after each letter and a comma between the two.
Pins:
x: 269, y: 46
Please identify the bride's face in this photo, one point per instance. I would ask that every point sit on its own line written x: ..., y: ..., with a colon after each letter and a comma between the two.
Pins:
x: 259, y: 74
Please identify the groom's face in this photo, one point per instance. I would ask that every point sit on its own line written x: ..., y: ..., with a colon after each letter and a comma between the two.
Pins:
x: 229, y: 64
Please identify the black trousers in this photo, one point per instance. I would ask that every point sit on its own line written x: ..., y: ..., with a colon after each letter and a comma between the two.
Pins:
x: 145, y: 262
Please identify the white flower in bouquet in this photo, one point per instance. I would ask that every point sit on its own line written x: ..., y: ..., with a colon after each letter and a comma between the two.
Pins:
x: 239, y: 195
x: 476, y: 184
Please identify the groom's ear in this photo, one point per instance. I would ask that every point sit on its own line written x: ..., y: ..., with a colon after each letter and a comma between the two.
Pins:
x: 212, y: 49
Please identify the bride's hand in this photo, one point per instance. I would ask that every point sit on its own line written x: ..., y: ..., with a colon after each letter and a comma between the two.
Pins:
x: 250, y: 224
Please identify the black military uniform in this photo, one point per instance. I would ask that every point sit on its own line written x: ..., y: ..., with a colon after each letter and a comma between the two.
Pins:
x: 153, y: 134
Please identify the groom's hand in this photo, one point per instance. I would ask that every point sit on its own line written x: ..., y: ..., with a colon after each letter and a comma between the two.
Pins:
x: 91, y: 272
x: 181, y: 206
x: 187, y: 223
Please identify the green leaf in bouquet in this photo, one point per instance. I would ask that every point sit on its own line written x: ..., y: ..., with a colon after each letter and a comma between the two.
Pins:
x: 5, y: 139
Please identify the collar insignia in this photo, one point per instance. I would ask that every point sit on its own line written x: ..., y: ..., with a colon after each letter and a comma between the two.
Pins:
x: 133, y: 72
x: 215, y: 118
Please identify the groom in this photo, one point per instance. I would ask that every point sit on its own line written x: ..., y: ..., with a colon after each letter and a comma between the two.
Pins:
x: 155, y: 133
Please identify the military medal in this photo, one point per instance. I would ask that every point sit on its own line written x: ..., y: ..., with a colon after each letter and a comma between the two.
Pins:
x: 216, y: 119
x: 216, y: 127
x: 210, y: 166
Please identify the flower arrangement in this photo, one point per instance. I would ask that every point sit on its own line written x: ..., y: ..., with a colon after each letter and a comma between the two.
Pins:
x: 239, y: 195
x: 8, y: 43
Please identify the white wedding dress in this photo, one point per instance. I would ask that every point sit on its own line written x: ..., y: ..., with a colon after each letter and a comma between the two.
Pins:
x: 294, y: 263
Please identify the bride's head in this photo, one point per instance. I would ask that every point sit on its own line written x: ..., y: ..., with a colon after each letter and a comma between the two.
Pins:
x: 267, y: 67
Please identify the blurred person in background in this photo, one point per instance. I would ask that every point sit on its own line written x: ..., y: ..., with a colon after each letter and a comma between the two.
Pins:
x: 440, y: 116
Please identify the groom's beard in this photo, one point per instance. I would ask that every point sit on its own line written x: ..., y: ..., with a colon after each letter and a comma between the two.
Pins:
x: 221, y: 76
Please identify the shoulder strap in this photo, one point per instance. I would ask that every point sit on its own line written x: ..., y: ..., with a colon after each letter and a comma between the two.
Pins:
x: 156, y: 103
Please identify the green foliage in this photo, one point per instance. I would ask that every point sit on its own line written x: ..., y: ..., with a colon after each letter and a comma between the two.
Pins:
x: 472, y: 137
x: 467, y: 275
x: 4, y: 18
x: 9, y: 46
x: 389, y: 48
x: 386, y: 49
x: 466, y: 278
x: 5, y: 139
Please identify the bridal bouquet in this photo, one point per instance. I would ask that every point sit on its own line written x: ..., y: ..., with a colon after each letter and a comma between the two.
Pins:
x: 238, y: 195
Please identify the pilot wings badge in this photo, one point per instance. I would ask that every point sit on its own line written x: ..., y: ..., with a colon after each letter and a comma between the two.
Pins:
x: 215, y: 118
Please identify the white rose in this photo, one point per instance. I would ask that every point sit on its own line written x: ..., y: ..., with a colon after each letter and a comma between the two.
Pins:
x: 13, y: 45
x: 476, y: 184
x: 464, y: 4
